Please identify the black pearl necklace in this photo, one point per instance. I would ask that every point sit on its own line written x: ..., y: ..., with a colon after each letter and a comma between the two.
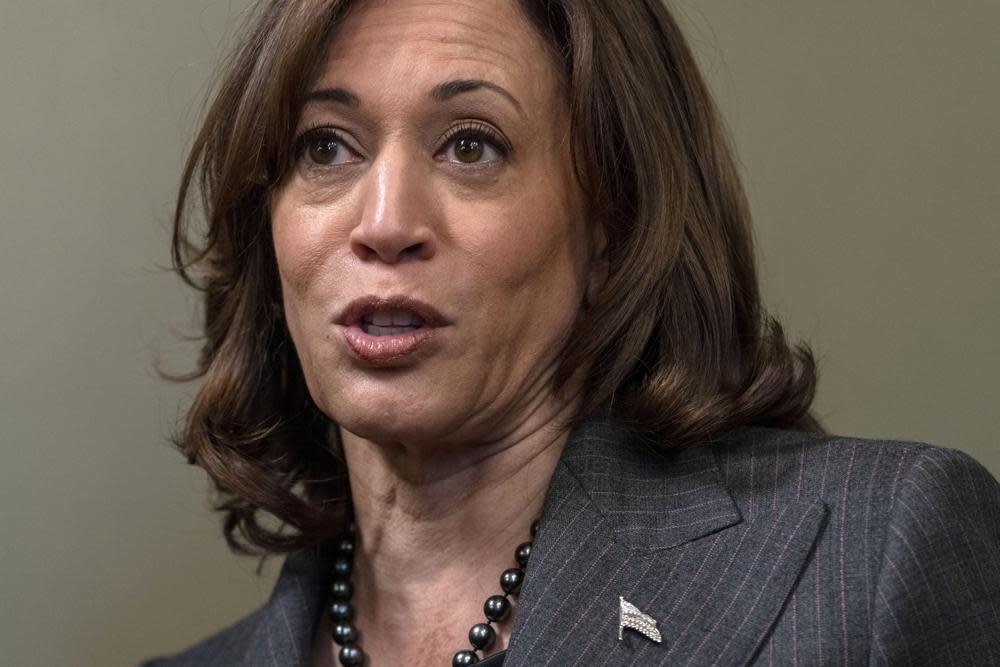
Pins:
x: 481, y: 635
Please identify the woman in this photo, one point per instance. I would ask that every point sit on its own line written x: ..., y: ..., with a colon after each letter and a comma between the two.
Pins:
x: 473, y: 265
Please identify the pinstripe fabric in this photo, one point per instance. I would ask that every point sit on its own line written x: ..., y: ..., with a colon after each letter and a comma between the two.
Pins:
x: 766, y: 547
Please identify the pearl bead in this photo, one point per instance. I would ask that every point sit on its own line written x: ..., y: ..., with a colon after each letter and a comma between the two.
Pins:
x: 534, y: 528
x: 342, y: 567
x: 346, y: 546
x: 523, y: 553
x: 341, y: 589
x: 510, y: 580
x: 341, y: 611
x: 351, y: 656
x: 496, y: 608
x: 344, y: 633
x: 464, y: 658
x: 482, y: 636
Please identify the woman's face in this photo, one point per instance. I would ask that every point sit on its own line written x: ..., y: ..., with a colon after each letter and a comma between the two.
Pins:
x: 431, y: 239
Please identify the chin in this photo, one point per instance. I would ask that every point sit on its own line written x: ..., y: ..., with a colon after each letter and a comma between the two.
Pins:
x: 396, y: 417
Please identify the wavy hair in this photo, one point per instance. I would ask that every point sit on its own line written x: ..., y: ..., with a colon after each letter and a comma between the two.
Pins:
x: 678, y: 344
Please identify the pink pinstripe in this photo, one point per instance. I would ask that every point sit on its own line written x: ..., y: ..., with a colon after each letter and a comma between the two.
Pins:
x: 641, y: 496
x: 840, y: 540
x: 583, y: 614
x: 594, y: 474
x: 607, y: 547
x: 866, y: 530
x: 632, y: 529
x: 711, y: 594
x: 761, y: 589
x: 816, y: 561
x: 968, y: 547
x: 548, y: 584
x: 895, y: 621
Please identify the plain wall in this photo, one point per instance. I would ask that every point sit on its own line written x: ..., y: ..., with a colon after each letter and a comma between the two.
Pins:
x: 867, y: 136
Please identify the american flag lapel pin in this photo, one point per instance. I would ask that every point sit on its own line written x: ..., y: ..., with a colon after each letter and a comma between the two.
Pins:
x: 629, y: 616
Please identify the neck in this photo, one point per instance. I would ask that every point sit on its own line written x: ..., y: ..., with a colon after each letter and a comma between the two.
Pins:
x: 435, y: 531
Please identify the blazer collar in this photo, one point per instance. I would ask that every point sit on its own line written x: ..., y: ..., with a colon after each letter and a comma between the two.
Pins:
x: 645, y: 498
x: 662, y: 531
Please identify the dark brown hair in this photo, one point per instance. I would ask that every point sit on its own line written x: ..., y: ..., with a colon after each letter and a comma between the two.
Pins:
x: 679, y: 346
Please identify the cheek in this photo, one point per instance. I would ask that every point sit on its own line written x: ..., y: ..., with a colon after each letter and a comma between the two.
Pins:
x: 302, y: 236
x: 295, y: 236
x: 531, y: 264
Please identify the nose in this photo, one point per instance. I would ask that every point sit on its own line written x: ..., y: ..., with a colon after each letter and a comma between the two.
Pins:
x: 394, y: 225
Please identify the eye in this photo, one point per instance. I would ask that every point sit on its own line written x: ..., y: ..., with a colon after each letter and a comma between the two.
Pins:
x: 474, y: 143
x: 323, y: 147
x: 469, y: 149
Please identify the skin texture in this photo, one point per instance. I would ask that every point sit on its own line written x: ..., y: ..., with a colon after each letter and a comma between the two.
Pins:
x: 449, y: 453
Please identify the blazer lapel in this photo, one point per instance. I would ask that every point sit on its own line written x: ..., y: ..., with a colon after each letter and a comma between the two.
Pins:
x: 283, y: 629
x: 621, y: 519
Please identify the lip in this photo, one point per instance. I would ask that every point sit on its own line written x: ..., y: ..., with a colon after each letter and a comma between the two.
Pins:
x: 396, y: 349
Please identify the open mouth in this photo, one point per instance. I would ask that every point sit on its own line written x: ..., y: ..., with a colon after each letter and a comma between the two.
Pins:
x: 390, y: 322
x: 390, y: 316
x: 391, y: 332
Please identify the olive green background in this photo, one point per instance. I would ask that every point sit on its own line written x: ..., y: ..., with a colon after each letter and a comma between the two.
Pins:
x: 868, y: 140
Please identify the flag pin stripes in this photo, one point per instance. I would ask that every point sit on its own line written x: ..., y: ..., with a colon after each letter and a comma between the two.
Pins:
x: 629, y: 616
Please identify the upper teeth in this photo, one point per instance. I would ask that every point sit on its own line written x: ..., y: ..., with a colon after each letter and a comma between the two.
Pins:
x: 394, y: 318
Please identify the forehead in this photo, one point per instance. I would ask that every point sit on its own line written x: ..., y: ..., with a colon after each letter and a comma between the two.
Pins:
x: 385, y: 46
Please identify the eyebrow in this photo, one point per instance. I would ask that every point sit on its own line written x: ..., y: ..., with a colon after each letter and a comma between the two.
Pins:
x: 449, y: 89
x: 338, y: 95
x: 441, y: 92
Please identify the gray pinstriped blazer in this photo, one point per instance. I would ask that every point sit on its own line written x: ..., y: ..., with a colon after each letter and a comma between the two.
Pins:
x: 767, y: 547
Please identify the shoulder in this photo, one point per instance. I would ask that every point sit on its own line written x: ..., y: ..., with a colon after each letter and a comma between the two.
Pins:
x: 911, y: 536
x: 218, y: 649
x: 280, y: 631
x: 876, y: 492
x: 764, y: 467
